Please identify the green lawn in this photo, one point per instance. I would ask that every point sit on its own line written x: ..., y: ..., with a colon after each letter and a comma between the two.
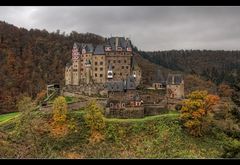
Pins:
x: 7, y: 117
x: 147, y: 118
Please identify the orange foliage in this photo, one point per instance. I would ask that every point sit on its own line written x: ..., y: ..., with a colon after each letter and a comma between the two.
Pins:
x: 59, y: 130
x: 195, y: 110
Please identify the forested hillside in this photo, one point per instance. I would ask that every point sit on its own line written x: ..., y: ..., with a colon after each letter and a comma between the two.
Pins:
x: 218, y: 66
x: 31, y: 59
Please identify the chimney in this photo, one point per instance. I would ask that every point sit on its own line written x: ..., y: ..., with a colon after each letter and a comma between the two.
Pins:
x: 116, y: 42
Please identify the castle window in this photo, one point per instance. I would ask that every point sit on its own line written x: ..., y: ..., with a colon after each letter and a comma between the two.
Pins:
x: 126, y: 67
x: 102, y: 57
x: 113, y: 67
x: 101, y: 75
x: 95, y: 74
x: 95, y: 69
x: 122, y: 67
x: 101, y: 69
x: 82, y: 69
x: 114, y: 61
x: 125, y: 61
x: 95, y: 63
x: 123, y: 105
x: 109, y: 61
x: 120, y: 74
x: 114, y: 74
x: 119, y: 61
x: 101, y: 63
x: 111, y: 105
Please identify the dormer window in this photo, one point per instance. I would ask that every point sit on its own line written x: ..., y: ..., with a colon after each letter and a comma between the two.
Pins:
x: 119, y: 48
x: 108, y: 48
x: 129, y: 49
x: 83, y: 51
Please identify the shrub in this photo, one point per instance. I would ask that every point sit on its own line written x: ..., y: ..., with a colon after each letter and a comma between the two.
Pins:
x: 94, y: 118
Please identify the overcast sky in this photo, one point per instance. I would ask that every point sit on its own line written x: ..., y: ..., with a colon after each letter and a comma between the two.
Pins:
x: 149, y: 28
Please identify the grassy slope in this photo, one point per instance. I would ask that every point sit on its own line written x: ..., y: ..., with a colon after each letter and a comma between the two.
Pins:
x: 151, y: 137
x: 6, y: 117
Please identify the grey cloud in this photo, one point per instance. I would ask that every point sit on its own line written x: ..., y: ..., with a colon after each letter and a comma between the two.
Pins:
x: 150, y: 28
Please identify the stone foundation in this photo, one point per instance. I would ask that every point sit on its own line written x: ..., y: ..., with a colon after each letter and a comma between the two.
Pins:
x: 136, y: 112
x: 153, y: 109
x: 127, y: 113
x: 86, y: 89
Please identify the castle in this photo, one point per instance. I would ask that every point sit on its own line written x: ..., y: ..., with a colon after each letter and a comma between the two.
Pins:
x: 110, y: 70
x: 111, y: 61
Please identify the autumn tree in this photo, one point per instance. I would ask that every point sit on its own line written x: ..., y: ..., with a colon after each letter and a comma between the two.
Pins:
x: 27, y: 128
x: 26, y: 108
x: 94, y: 118
x: 195, y: 112
x: 59, y: 124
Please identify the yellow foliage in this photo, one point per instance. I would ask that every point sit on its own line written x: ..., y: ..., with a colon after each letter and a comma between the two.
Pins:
x: 195, y: 110
x: 95, y: 120
x: 59, y: 109
x: 59, y: 125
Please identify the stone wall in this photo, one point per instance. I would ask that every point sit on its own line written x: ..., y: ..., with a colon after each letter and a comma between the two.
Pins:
x: 154, y: 109
x: 85, y: 89
x: 75, y: 106
x: 127, y: 113
x: 121, y: 64
x: 137, y: 112
x: 99, y: 69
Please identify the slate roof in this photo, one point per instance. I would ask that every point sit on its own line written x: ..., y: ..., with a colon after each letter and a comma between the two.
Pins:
x: 115, y: 86
x: 99, y: 50
x: 122, y: 42
x: 87, y: 46
x: 134, y: 63
x: 160, y: 78
x: 174, y: 79
x: 69, y: 64
x: 119, y: 86
x: 131, y: 83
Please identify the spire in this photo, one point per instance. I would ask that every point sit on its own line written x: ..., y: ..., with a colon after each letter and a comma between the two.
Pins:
x: 110, y: 67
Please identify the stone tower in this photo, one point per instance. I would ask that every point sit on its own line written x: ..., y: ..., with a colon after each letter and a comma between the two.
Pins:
x: 175, y: 86
x: 75, y: 65
x: 88, y: 71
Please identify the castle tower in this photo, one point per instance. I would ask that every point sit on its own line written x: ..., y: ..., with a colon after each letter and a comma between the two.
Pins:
x: 88, y: 71
x: 75, y: 65
x: 175, y: 86
x: 68, y: 74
